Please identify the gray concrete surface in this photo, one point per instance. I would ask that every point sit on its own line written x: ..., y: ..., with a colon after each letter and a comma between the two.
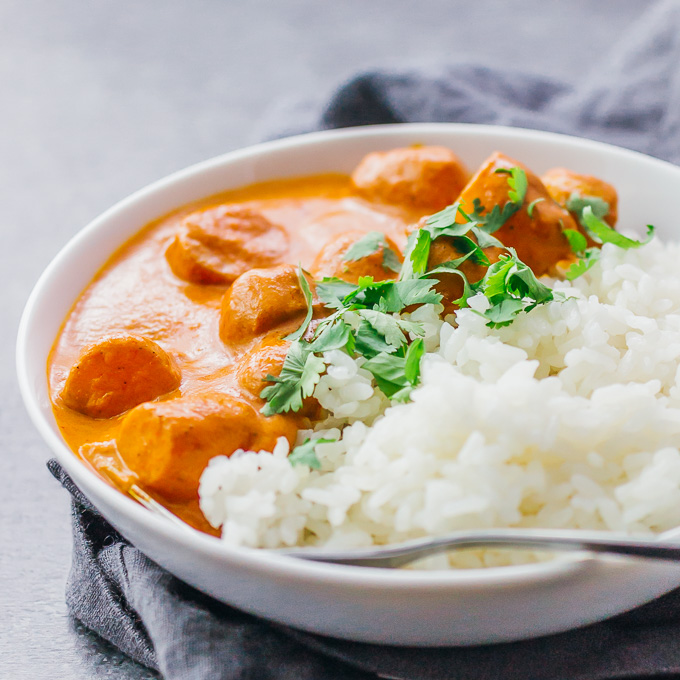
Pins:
x: 98, y: 99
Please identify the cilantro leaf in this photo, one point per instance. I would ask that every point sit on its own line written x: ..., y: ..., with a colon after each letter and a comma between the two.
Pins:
x: 386, y: 325
x: 305, y: 453
x: 532, y: 205
x: 414, y: 327
x: 332, y: 292
x: 394, y: 375
x: 519, y: 185
x: 468, y: 291
x: 416, y: 292
x: 576, y: 203
x: 335, y: 335
x: 602, y: 232
x: 365, y: 246
x: 485, y: 240
x: 495, y: 281
x: 466, y: 245
x: 511, y: 287
x: 299, y: 375
x: 306, y: 291
x: 369, y: 343
x: 523, y: 282
x: 414, y: 354
x: 582, y: 265
x: 444, y: 218
x: 417, y: 253
x: 577, y: 241
x: 371, y: 243
x: 391, y: 260
x: 504, y: 312
x: 388, y: 372
x: 367, y: 293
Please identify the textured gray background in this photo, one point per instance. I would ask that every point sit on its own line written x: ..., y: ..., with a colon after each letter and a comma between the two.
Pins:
x: 98, y: 99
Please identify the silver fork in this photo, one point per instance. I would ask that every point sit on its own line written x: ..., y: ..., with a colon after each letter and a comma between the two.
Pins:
x: 391, y: 556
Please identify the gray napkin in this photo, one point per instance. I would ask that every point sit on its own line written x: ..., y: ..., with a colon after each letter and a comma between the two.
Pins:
x: 632, y: 98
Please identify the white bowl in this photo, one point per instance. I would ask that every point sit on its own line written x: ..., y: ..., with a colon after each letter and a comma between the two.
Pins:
x: 370, y: 605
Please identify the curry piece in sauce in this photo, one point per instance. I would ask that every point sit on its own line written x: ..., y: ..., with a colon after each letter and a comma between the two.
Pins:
x: 332, y: 260
x: 117, y: 374
x: 421, y: 177
x: 536, y: 233
x: 169, y: 443
x: 260, y: 300
x: 562, y: 184
x: 220, y: 244
x: 190, y: 391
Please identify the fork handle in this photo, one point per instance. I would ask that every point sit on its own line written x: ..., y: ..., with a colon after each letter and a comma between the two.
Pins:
x: 400, y: 555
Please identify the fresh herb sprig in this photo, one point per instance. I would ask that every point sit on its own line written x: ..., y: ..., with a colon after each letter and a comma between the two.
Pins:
x: 368, y: 245
x: 364, y: 323
x: 305, y: 453
x: 509, y: 285
x: 590, y: 211
x: 364, y: 317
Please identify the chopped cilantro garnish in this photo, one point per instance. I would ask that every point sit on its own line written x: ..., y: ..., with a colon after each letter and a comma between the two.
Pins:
x: 511, y: 287
x: 305, y: 453
x: 577, y: 241
x: 335, y: 334
x: 600, y: 231
x: 306, y: 291
x: 386, y: 326
x: 480, y: 223
x: 397, y: 375
x: 364, y: 317
x: 372, y: 243
x: 417, y: 252
x: 332, y: 292
x: 300, y: 372
x: 517, y: 182
x: 532, y: 205
x: 586, y: 260
x: 576, y: 203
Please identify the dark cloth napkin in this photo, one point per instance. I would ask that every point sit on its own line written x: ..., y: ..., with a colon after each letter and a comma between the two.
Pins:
x: 631, y: 98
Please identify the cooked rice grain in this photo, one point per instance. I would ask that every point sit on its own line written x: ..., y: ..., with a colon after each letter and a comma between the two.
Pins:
x: 568, y: 418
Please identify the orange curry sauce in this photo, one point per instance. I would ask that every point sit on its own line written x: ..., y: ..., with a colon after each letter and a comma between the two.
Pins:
x: 136, y: 292
x: 160, y: 363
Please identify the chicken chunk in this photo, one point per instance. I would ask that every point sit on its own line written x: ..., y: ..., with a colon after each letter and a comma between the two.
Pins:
x: 451, y: 285
x: 169, y: 443
x: 562, y: 183
x: 217, y: 245
x: 421, y: 177
x: 537, y: 237
x: 260, y: 300
x: 331, y: 260
x: 265, y: 359
x: 117, y: 374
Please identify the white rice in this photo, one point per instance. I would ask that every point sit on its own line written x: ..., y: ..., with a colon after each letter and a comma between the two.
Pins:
x: 567, y: 418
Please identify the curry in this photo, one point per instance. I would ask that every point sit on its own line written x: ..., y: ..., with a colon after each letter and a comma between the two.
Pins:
x: 161, y: 363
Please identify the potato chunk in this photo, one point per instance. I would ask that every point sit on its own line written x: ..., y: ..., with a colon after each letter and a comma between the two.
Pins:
x: 420, y: 177
x: 169, y: 443
x: 537, y: 238
x: 562, y: 183
x: 260, y: 300
x: 331, y: 260
x: 117, y: 374
x: 217, y: 245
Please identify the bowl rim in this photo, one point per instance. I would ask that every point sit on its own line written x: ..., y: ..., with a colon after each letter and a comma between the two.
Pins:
x: 257, y: 558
